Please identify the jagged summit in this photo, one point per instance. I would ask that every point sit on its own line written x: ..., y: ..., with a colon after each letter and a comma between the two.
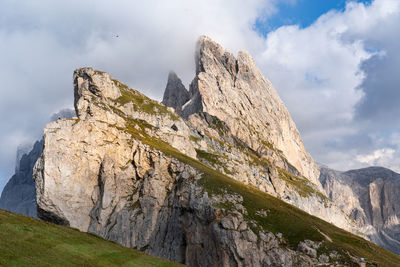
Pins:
x: 207, y: 49
x: 235, y: 91
x: 175, y: 94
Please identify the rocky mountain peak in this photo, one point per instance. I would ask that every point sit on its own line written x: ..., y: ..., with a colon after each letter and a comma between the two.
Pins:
x: 175, y: 94
x: 208, y: 50
x: 234, y: 90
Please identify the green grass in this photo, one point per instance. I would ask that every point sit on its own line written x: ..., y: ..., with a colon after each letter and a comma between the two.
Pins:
x: 270, y: 146
x: 25, y: 241
x: 141, y: 102
x: 302, y: 186
x: 218, y: 125
x: 211, y: 158
x: 194, y: 138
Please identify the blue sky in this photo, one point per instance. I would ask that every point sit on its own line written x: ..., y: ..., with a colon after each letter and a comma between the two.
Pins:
x: 299, y: 12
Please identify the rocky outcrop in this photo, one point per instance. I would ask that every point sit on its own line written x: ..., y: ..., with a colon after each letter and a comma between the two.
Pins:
x: 175, y: 94
x: 235, y: 91
x: 19, y: 193
x: 131, y: 170
x: 371, y: 196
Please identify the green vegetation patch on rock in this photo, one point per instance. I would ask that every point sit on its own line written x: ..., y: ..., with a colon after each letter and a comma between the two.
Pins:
x: 295, y: 224
x: 141, y: 102
x: 211, y: 158
x: 300, y: 184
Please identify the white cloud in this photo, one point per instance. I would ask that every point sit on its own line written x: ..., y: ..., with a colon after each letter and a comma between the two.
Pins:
x: 377, y: 157
x: 320, y: 74
x: 385, y: 157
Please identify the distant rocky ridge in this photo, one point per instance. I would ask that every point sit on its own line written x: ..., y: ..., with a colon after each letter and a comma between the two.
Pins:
x: 65, y: 113
x: 371, y: 196
x: 19, y: 193
x: 22, y: 150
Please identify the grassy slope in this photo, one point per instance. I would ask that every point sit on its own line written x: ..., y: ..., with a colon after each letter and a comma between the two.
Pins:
x: 25, y: 241
x: 295, y: 224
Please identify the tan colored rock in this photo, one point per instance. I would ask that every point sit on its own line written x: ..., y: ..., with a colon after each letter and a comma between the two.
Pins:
x: 89, y: 86
x: 68, y: 171
x: 235, y: 91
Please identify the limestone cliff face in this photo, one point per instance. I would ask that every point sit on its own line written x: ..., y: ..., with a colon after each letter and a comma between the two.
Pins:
x: 19, y: 193
x: 133, y: 171
x: 371, y: 196
x: 235, y: 91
